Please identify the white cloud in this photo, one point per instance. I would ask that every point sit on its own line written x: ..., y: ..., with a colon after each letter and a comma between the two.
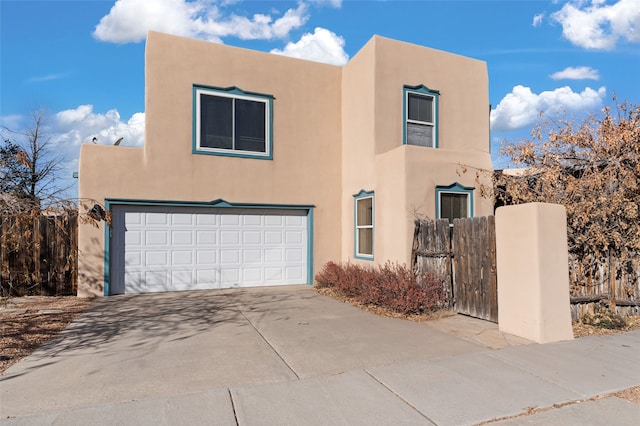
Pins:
x: 599, y: 25
x: 576, y: 73
x: 48, y: 77
x: 521, y: 107
x: 12, y: 121
x: 321, y: 46
x: 332, y: 3
x: 537, y: 19
x: 130, y: 20
x: 75, y: 126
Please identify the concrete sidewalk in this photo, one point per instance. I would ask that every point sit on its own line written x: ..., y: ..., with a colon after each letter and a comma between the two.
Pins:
x: 290, y: 356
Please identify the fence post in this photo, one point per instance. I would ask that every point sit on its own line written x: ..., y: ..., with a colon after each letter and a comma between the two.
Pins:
x: 533, y: 272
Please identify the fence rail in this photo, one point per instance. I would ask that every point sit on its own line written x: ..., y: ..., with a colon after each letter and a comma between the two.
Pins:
x: 590, y: 286
x: 39, y: 255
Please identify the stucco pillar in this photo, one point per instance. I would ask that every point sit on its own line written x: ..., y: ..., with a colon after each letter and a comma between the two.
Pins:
x: 533, y: 272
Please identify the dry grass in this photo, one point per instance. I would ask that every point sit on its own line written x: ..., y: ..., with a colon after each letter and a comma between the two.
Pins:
x: 27, y: 323
x: 582, y: 330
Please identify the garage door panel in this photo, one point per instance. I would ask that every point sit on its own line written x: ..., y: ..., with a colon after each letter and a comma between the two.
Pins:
x: 230, y: 219
x: 207, y: 219
x: 230, y: 276
x: 207, y: 257
x: 206, y: 237
x: 252, y: 238
x: 182, y: 278
x: 294, y: 237
x: 181, y: 248
x: 294, y: 255
x: 133, y: 237
x: 273, y: 256
x: 230, y: 257
x: 252, y: 275
x: 207, y: 276
x: 133, y: 258
x: 274, y: 275
x: 252, y: 220
x: 229, y: 238
x: 156, y: 238
x: 178, y: 219
x: 182, y: 257
x: 157, y: 219
x: 293, y: 273
x: 182, y: 237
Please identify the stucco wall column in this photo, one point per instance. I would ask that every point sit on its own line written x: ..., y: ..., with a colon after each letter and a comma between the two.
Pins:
x: 533, y: 272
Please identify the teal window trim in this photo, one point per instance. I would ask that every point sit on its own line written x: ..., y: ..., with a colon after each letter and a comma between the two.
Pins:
x: 455, y: 188
x: 234, y: 93
x: 218, y: 203
x: 421, y: 89
x: 356, y: 240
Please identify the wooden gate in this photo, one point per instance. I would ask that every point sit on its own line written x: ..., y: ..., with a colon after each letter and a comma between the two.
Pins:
x: 465, y: 256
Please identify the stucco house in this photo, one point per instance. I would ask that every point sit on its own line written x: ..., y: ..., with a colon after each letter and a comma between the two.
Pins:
x: 257, y: 169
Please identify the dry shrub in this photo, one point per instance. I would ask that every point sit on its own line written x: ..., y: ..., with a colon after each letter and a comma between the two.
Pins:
x: 604, y: 317
x: 391, y: 285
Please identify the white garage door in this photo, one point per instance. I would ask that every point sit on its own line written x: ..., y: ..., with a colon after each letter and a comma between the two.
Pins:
x: 157, y: 248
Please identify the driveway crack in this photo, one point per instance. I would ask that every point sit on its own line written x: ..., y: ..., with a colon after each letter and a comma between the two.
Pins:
x: 284, y: 361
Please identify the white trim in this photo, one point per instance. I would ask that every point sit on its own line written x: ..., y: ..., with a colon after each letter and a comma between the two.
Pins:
x: 210, y: 92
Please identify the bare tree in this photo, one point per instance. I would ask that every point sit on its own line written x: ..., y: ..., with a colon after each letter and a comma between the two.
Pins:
x: 593, y: 169
x: 30, y: 165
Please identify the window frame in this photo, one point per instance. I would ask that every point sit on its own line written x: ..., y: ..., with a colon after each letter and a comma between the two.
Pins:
x: 363, y: 195
x: 420, y: 90
x: 457, y: 189
x: 233, y: 93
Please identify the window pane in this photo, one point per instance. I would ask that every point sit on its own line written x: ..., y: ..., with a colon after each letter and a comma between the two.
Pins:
x: 454, y: 206
x: 364, y: 211
x: 250, y: 126
x: 215, y: 122
x: 419, y: 134
x: 420, y: 108
x: 365, y: 241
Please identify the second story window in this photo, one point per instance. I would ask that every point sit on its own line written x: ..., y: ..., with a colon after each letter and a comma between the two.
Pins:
x: 420, y: 114
x: 232, y: 122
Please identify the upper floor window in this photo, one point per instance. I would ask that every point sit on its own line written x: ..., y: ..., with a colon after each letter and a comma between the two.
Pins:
x: 420, y: 116
x: 232, y: 122
x: 454, y: 202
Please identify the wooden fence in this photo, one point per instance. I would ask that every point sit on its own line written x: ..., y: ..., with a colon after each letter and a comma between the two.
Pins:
x: 38, y: 256
x: 465, y: 256
x: 619, y: 290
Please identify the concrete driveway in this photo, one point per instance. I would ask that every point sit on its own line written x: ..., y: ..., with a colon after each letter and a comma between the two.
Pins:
x: 140, y: 347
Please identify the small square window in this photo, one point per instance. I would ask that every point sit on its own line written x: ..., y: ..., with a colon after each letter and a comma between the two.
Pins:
x: 454, y: 206
x: 454, y: 202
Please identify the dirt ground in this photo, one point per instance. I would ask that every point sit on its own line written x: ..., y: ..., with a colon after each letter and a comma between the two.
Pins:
x: 29, y: 322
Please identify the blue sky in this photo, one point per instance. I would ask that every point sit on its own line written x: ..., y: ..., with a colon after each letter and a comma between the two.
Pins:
x: 83, y: 61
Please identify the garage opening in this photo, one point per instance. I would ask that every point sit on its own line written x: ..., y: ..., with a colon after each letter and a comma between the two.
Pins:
x: 160, y: 248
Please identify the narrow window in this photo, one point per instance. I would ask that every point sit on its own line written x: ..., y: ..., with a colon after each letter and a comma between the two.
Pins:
x: 364, y: 215
x: 420, y: 112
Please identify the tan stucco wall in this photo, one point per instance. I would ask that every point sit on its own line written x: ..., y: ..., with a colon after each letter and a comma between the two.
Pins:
x: 404, y: 177
x: 336, y: 131
x: 306, y: 166
x: 533, y: 272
